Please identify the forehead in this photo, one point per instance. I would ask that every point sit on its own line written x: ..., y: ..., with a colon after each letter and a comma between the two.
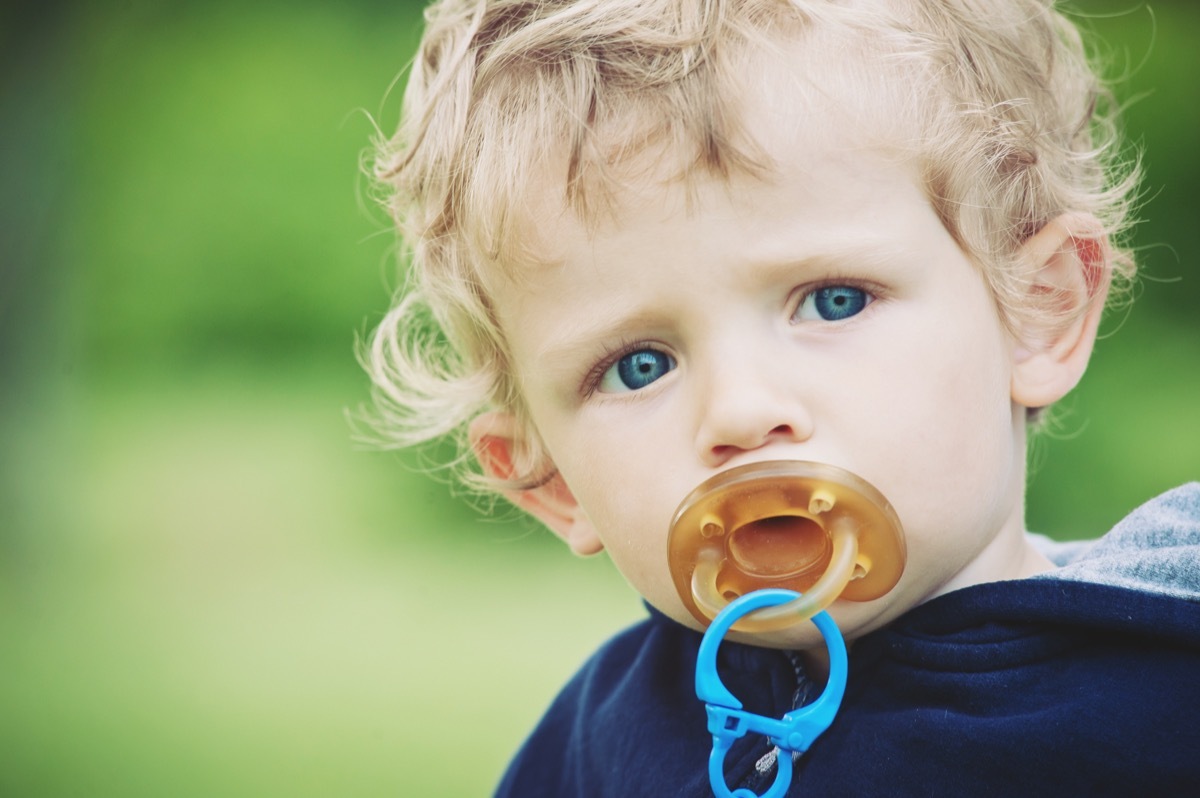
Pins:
x: 809, y: 93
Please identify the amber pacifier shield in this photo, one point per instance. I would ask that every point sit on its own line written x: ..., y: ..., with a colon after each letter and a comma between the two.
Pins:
x: 803, y: 526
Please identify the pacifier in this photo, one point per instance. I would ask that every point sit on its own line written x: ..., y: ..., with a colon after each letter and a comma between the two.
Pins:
x: 812, y: 528
x: 765, y: 546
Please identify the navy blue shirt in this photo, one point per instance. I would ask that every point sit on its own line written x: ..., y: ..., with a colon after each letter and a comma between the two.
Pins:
x: 1046, y: 686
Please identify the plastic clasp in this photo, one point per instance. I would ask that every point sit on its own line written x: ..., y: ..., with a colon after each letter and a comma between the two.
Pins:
x: 728, y: 722
x: 812, y: 528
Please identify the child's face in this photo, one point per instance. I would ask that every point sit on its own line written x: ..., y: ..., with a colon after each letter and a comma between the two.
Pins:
x: 821, y: 314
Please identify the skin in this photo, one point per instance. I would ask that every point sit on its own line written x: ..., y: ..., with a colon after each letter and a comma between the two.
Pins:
x: 922, y: 393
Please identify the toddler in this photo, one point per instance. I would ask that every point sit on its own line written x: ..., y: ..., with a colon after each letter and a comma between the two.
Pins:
x: 656, y: 240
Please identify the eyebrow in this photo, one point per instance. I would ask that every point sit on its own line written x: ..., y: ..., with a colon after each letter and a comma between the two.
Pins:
x: 588, y: 341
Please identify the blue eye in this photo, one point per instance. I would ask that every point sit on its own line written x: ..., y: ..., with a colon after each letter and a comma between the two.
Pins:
x: 832, y: 303
x: 636, y: 370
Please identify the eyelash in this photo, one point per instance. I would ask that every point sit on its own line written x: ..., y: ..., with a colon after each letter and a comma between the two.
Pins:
x: 800, y: 294
x: 591, y: 381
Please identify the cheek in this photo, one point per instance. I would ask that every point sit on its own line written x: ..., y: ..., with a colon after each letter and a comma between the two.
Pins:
x: 944, y: 434
x: 629, y: 484
x: 612, y: 478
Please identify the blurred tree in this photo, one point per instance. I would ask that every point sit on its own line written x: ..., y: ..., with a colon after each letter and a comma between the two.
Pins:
x: 36, y: 104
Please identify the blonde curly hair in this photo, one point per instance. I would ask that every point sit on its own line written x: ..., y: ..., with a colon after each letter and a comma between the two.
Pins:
x: 1015, y: 128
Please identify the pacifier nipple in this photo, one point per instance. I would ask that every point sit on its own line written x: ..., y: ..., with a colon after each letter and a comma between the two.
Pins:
x: 813, y: 528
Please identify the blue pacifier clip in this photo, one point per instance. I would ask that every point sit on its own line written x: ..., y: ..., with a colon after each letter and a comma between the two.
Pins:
x: 727, y: 721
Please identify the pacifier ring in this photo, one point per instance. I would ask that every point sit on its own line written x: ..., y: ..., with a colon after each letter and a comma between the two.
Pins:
x: 812, y: 528
x: 729, y: 721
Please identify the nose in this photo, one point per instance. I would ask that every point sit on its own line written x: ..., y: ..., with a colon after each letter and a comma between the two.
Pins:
x: 747, y: 406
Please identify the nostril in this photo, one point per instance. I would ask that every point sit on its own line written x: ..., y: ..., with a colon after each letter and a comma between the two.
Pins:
x: 722, y: 451
x: 782, y: 432
x: 727, y: 428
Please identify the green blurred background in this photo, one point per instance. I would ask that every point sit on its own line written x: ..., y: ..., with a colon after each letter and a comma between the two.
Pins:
x: 206, y: 586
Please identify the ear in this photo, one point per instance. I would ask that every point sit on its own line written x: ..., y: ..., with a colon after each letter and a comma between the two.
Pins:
x: 1070, y: 263
x: 496, y: 438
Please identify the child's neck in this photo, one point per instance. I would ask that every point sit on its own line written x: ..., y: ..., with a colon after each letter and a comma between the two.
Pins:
x: 1008, y: 556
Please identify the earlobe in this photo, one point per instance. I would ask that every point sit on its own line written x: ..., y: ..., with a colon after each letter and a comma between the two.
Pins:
x: 1070, y: 263
x: 497, y: 438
